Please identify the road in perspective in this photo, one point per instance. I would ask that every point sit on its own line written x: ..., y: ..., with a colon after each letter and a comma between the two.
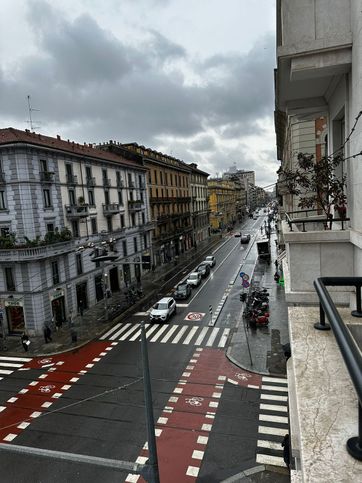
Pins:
x: 214, y: 418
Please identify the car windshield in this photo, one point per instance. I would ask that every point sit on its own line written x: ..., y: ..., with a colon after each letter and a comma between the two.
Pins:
x: 161, y: 306
x: 182, y: 288
x: 209, y: 258
x: 193, y: 275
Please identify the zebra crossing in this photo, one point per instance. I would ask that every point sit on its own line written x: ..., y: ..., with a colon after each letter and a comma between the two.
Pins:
x: 273, y: 421
x: 172, y: 334
x: 10, y: 364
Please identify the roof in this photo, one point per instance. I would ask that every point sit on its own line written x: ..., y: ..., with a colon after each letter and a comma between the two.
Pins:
x: 10, y: 136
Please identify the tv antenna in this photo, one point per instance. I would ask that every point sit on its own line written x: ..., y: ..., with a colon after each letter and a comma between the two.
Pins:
x: 30, y: 122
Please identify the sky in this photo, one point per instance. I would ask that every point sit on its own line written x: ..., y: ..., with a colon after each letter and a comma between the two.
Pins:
x: 190, y: 78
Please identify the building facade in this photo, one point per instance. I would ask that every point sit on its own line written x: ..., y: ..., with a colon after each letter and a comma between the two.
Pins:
x: 222, y: 193
x: 62, y: 204
x: 199, y: 204
x: 318, y: 87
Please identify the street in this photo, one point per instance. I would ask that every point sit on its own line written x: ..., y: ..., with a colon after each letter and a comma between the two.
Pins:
x: 91, y: 401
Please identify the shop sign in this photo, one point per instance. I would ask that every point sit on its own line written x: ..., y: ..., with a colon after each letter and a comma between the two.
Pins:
x: 14, y: 303
x: 57, y: 294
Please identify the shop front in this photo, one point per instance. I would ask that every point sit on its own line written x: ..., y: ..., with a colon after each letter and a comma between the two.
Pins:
x: 14, y: 309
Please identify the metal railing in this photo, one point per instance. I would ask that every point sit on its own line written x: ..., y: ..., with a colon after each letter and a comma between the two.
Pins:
x: 327, y: 221
x: 349, y: 350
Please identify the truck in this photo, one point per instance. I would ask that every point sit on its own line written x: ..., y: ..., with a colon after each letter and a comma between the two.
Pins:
x: 263, y: 247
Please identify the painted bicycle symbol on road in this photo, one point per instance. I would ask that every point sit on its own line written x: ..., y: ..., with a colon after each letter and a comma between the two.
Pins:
x: 45, y: 361
x: 242, y: 376
x: 46, y: 389
x: 194, y: 401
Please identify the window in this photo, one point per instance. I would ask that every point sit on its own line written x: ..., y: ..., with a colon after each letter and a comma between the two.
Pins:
x: 88, y: 172
x: 106, y: 197
x: 55, y: 273
x: 4, y: 231
x: 131, y: 195
x: 91, y: 197
x: 141, y: 197
x: 69, y: 171
x: 109, y: 224
x: 47, y: 199
x: 120, y: 198
x: 104, y: 173
x: 135, y: 245
x: 130, y: 182
x: 122, y: 221
x: 145, y: 241
x: 143, y: 218
x: 140, y: 181
x: 94, y: 225
x: 71, y: 197
x: 50, y: 227
x: 75, y: 228
x: 10, y: 283
x: 124, y: 247
x: 43, y: 165
x: 78, y: 260
x: 118, y: 178
x: 149, y: 177
x: 2, y: 200
x: 133, y: 219
x: 165, y: 178
x: 155, y: 177
x: 161, y: 179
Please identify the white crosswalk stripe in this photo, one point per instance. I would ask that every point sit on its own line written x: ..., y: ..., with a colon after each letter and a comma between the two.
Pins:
x: 9, y: 364
x: 273, y: 417
x: 172, y: 334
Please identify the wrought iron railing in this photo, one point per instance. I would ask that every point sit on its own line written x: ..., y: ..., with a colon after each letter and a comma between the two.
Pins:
x: 314, y: 218
x: 349, y: 350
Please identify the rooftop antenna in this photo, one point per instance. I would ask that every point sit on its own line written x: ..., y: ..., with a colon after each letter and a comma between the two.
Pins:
x: 30, y: 122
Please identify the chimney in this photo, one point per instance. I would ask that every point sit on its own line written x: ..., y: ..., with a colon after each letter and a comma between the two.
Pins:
x: 58, y: 137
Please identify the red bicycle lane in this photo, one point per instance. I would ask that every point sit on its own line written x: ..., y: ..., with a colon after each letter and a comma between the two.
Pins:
x: 184, y: 426
x: 33, y: 401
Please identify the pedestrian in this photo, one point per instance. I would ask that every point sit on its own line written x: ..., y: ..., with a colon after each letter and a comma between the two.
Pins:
x: 25, y: 341
x: 47, y: 333
x: 276, y: 264
x: 81, y: 307
x: 276, y: 277
x: 286, y: 450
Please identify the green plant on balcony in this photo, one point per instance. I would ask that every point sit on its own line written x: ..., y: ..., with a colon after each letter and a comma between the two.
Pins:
x: 317, y: 185
x: 58, y: 236
x: 7, y: 241
x: 32, y: 243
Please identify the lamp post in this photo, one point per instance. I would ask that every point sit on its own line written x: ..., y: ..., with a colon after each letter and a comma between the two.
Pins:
x: 105, y: 257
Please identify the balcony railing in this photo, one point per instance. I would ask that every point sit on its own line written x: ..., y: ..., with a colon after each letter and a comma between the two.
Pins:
x: 120, y: 183
x: 35, y: 253
x: 91, y: 181
x: 46, y: 177
x: 76, y: 211
x: 111, y: 209
x: 135, y: 205
x: 312, y: 219
x: 348, y: 347
x: 106, y: 182
x: 72, y: 179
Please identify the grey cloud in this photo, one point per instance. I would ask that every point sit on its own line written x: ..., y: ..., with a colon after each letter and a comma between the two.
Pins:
x: 203, y: 143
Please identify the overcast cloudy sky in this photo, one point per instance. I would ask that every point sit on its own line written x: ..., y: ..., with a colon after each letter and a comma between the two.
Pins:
x: 190, y: 78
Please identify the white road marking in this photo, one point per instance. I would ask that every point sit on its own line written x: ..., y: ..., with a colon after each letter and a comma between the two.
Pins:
x: 116, y: 334
x: 179, y: 335
x: 273, y: 419
x: 269, y: 444
x: 191, y: 334
x: 159, y: 333
x: 129, y: 332
x: 10, y: 364
x: 104, y: 336
x: 273, y: 397
x: 201, y: 336
x: 269, y: 460
x: 4, y: 371
x: 22, y: 359
x: 151, y: 330
x: 274, y: 379
x: 274, y: 388
x: 212, y: 336
x: 169, y: 333
x: 272, y: 407
x: 224, y: 338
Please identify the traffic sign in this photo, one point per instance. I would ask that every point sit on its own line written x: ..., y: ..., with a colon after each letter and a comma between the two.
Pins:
x: 194, y: 316
x: 242, y: 274
x: 245, y: 276
x: 245, y: 284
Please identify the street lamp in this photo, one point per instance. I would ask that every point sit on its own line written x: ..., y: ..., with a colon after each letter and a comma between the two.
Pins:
x: 105, y: 257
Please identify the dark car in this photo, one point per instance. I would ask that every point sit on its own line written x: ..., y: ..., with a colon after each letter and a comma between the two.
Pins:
x: 183, y: 291
x: 245, y: 238
x: 203, y: 269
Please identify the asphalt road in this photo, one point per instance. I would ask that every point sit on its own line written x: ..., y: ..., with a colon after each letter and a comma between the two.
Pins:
x: 91, y: 402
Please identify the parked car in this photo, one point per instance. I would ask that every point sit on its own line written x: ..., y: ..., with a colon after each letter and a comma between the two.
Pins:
x: 163, y: 310
x: 203, y: 269
x: 210, y: 260
x: 183, y: 291
x: 245, y: 238
x: 237, y: 234
x: 194, y: 279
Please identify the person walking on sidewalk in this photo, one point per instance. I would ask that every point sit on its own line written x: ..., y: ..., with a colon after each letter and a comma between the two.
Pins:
x: 47, y: 333
x: 25, y: 341
x: 286, y: 450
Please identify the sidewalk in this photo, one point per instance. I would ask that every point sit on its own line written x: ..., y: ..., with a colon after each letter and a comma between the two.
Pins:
x: 92, y: 324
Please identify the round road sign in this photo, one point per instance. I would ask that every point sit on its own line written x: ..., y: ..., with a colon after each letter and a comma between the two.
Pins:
x: 194, y: 316
x: 245, y: 284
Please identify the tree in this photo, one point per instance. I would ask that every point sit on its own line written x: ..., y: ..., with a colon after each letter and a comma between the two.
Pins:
x: 316, y: 184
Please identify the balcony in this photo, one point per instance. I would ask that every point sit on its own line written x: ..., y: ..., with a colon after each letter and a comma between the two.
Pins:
x: 131, y: 184
x: 74, y: 212
x: 72, y: 179
x: 106, y: 182
x: 135, y: 205
x: 111, y: 209
x: 46, y: 177
x: 91, y: 182
x: 35, y: 253
x: 120, y: 183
